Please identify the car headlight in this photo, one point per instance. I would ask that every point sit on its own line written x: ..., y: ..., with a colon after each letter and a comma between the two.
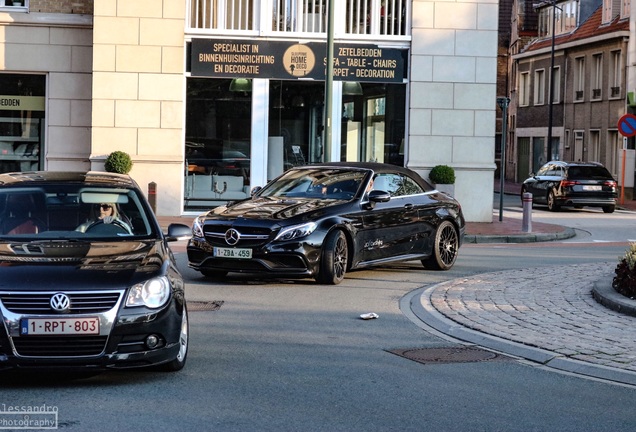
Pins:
x: 296, y: 231
x: 197, y: 227
x: 152, y: 293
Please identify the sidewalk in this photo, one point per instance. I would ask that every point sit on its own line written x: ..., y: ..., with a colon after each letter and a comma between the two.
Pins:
x: 509, y: 230
x: 581, y: 326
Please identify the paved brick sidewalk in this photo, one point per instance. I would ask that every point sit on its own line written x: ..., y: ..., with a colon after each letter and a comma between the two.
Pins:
x: 561, y: 321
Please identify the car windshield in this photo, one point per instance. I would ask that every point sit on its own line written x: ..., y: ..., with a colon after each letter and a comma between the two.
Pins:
x: 73, y: 211
x: 316, y: 183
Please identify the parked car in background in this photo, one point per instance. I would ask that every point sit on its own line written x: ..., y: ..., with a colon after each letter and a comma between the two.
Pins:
x: 87, y: 280
x: 323, y: 220
x: 575, y: 184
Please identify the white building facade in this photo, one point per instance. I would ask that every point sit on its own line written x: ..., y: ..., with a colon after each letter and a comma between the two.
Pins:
x: 213, y: 97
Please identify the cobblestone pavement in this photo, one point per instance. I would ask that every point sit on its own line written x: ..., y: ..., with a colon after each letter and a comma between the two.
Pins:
x: 525, y: 311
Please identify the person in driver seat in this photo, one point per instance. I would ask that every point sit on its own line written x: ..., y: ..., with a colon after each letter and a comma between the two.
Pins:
x: 107, y: 213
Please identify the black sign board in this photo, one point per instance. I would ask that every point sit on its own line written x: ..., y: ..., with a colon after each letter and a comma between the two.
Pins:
x: 292, y: 60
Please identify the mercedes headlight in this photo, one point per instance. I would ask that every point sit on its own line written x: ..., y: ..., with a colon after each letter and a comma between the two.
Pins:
x: 197, y: 227
x: 296, y: 231
x: 152, y: 293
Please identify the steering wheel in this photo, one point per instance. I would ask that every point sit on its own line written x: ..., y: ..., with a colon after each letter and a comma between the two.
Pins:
x: 120, y: 225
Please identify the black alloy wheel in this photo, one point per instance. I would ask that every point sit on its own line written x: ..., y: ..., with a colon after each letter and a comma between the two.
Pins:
x: 179, y: 362
x: 333, y: 263
x: 445, y: 248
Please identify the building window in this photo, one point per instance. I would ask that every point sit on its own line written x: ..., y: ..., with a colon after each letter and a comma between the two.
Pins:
x: 222, y: 14
x: 359, y: 17
x: 22, y: 104
x: 556, y: 82
x: 565, y: 20
x: 217, y: 143
x: 539, y: 87
x: 524, y: 89
x: 593, y: 152
x: 615, y: 75
x: 625, y: 8
x: 24, y: 4
x: 597, y: 76
x: 579, y: 78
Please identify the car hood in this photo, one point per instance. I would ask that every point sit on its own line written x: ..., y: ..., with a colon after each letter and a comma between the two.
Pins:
x: 72, y: 265
x: 273, y: 208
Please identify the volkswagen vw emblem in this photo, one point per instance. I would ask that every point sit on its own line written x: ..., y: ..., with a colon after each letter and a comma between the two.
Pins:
x: 60, y: 303
x: 232, y: 236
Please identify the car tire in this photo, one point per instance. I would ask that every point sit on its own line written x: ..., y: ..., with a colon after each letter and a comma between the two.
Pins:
x: 552, y: 205
x: 213, y: 273
x: 445, y: 248
x: 609, y: 208
x: 179, y: 362
x: 333, y: 262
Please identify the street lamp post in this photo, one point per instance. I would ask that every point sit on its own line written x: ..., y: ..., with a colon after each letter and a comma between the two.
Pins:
x: 503, y: 104
x: 328, y: 145
x: 550, y: 78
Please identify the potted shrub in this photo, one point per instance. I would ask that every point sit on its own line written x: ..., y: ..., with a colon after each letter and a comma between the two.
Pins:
x: 443, y: 176
x: 118, y: 162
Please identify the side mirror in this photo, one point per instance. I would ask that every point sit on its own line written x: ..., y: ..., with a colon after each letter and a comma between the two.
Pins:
x: 255, y: 190
x: 178, y: 232
x: 376, y: 196
x: 379, y: 196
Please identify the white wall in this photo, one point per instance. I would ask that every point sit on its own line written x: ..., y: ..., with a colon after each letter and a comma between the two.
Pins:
x: 453, y: 97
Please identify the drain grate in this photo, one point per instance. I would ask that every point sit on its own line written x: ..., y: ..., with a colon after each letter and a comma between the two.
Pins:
x: 204, y: 306
x: 447, y: 355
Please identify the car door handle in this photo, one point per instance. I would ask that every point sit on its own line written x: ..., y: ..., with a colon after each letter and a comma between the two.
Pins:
x: 408, y: 206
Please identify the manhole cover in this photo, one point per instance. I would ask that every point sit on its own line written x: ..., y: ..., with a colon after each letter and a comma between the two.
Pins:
x: 204, y: 306
x: 446, y: 355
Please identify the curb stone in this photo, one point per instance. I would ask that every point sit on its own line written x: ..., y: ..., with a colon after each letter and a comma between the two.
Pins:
x: 605, y: 294
x: 521, y: 237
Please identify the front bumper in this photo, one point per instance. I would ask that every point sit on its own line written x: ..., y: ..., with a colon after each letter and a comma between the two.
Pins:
x: 121, y: 342
x: 293, y: 258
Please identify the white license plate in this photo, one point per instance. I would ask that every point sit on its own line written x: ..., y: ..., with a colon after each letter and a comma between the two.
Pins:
x: 592, y: 188
x: 59, y: 326
x: 232, y: 252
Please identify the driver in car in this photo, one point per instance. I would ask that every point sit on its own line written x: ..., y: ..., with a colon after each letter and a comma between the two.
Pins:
x: 105, y: 212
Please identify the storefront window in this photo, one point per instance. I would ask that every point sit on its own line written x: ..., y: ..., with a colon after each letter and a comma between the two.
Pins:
x: 295, y: 120
x: 373, y: 124
x: 22, y: 102
x: 218, y: 139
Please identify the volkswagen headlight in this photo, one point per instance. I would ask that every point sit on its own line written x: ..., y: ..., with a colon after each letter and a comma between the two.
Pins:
x: 152, y: 293
x: 296, y: 231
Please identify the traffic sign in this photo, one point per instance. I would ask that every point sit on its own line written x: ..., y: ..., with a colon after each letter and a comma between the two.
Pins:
x: 627, y: 125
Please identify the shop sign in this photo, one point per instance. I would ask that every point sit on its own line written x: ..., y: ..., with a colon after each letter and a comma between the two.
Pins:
x: 292, y: 60
x: 22, y: 103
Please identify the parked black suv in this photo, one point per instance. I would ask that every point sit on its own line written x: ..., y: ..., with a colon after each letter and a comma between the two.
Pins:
x: 574, y: 184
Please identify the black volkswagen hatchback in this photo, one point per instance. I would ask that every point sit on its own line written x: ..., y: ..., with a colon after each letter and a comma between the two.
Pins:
x: 87, y: 280
x: 322, y: 220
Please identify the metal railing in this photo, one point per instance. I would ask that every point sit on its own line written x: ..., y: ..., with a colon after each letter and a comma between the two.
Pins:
x: 353, y: 17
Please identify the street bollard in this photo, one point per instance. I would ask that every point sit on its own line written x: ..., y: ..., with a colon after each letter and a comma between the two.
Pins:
x: 526, y: 201
x: 152, y: 196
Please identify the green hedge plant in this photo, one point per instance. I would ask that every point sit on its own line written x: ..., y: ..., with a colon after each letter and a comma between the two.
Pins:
x: 442, y: 174
x: 624, y: 281
x: 118, y: 162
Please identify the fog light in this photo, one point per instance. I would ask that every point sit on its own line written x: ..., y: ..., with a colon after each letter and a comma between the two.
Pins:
x: 152, y: 341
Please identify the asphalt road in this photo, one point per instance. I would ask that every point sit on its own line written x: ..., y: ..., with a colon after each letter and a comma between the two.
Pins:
x: 295, y: 355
